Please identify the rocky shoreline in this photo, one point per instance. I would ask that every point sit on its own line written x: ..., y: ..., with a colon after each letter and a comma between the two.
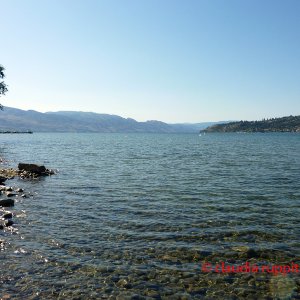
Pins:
x: 30, y: 171
x: 9, y: 193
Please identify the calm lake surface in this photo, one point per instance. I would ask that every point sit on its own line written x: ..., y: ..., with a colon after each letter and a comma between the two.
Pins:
x: 135, y: 216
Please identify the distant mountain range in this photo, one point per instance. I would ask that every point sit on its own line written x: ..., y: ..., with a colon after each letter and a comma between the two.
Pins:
x: 13, y: 119
x: 284, y: 124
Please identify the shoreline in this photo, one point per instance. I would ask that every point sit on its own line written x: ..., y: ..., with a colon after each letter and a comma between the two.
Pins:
x: 10, y: 194
x: 16, y: 132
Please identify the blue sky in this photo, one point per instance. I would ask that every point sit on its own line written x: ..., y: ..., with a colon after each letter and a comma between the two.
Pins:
x: 169, y: 60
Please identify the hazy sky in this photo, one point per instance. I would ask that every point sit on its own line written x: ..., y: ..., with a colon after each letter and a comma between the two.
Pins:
x: 174, y: 61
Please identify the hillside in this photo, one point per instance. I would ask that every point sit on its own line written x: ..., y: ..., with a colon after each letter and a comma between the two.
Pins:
x: 13, y: 119
x: 284, y: 124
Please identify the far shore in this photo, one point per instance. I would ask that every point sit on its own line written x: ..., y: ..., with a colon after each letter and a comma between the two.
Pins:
x: 16, y: 132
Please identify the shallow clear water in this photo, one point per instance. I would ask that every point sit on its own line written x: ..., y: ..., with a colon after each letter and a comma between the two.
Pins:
x: 136, y: 215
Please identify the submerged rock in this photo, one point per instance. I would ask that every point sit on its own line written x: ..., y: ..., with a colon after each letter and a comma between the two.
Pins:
x: 2, y: 179
x: 7, y: 215
x: 123, y: 283
x: 10, y: 194
x: 9, y: 222
x: 251, y: 253
x: 7, y: 202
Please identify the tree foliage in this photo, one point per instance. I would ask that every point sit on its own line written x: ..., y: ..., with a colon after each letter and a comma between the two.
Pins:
x: 3, y: 87
x: 284, y: 124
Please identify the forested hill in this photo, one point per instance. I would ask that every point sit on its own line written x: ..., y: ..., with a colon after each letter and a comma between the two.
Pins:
x: 284, y: 124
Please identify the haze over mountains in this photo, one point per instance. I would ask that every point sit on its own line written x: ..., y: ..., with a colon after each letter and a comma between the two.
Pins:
x: 13, y: 119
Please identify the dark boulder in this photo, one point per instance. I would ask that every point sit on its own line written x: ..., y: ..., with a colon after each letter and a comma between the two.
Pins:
x: 251, y: 253
x: 9, y: 222
x: 10, y: 194
x: 2, y: 179
x: 7, y: 215
x: 7, y: 202
x: 32, y: 168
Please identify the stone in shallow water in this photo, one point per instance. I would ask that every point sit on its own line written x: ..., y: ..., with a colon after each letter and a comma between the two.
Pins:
x: 9, y: 223
x: 251, y: 253
x: 152, y: 294
x: 10, y: 194
x: 33, y: 168
x: 7, y: 215
x: 2, y: 179
x: 282, y: 287
x: 7, y: 202
x: 123, y: 283
x: 241, y: 248
x: 136, y: 297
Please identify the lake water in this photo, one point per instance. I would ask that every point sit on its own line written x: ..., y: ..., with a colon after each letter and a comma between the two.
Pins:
x: 136, y: 216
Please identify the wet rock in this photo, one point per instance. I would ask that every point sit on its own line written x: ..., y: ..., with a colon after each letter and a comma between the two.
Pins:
x: 108, y: 290
x: 8, y: 188
x: 25, y: 171
x: 244, y: 249
x: 281, y: 286
x: 19, y: 190
x: 153, y: 294
x: 10, y: 194
x: 33, y: 168
x: 24, y: 196
x: 9, y: 222
x: 136, y: 297
x: 123, y: 283
x: 8, y: 173
x: 7, y: 215
x: 115, y: 278
x: 50, y: 172
x: 2, y: 179
x: 7, y: 202
x: 251, y: 253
